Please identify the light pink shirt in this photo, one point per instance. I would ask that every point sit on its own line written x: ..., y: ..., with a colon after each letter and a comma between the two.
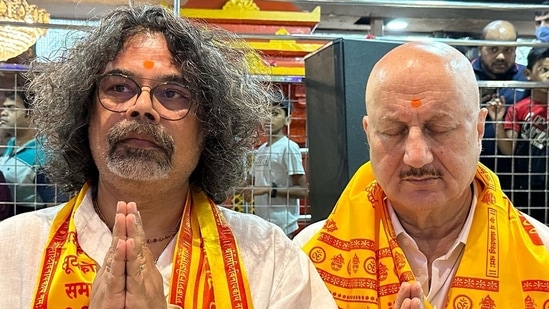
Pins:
x: 280, y: 275
x: 443, y: 268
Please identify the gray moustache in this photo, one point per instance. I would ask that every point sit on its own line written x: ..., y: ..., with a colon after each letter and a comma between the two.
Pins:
x: 120, y: 131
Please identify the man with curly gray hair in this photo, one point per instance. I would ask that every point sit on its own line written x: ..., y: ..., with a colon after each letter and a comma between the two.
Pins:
x: 146, y: 122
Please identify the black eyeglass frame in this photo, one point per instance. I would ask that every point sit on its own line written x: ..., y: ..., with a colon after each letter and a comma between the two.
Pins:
x: 139, y: 92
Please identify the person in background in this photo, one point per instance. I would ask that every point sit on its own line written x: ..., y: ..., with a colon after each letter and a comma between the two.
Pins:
x: 541, y: 20
x: 11, y: 80
x: 147, y: 120
x: 523, y: 134
x: 498, y: 63
x: 277, y: 179
x: 423, y: 224
x: 23, y: 156
x: 541, y: 26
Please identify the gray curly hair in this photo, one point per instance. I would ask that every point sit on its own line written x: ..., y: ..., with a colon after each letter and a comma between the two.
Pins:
x: 232, y: 102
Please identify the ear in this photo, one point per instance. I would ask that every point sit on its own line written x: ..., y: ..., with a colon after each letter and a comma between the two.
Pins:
x: 481, y: 124
x: 288, y: 120
x: 528, y: 74
x: 365, y: 125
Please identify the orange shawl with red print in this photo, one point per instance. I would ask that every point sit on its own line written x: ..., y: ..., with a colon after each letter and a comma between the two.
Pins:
x: 504, y: 265
x: 207, y: 271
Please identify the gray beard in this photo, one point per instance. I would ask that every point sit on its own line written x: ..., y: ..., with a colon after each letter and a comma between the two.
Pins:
x: 139, y: 164
x: 135, y: 163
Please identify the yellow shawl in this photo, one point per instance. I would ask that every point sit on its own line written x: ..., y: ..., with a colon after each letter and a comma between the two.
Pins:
x: 207, y: 270
x: 504, y: 264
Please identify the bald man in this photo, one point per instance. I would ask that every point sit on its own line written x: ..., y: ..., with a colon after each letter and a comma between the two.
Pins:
x: 498, y: 63
x: 424, y: 224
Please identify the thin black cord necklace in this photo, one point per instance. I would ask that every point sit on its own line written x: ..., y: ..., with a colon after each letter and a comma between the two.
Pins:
x: 148, y: 240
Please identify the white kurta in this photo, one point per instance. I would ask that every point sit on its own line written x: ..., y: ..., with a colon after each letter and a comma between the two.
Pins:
x: 280, y: 274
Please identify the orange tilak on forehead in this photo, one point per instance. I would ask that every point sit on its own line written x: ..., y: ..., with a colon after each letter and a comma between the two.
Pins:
x: 147, y: 64
x: 415, y: 103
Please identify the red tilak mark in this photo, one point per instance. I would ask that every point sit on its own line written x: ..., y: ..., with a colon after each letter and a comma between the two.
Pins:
x: 148, y: 64
x: 415, y: 103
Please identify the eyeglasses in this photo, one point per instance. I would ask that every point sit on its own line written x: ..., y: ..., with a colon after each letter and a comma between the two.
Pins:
x: 117, y: 92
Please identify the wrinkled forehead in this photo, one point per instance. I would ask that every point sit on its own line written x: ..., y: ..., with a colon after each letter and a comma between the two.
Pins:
x: 432, y: 93
x: 419, y: 78
x: 421, y: 73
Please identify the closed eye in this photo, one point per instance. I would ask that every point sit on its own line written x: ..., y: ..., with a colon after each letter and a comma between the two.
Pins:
x: 394, y: 131
x: 439, y: 129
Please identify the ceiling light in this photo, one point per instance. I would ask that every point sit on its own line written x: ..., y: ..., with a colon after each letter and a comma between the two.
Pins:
x: 14, y: 39
x: 396, y: 24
